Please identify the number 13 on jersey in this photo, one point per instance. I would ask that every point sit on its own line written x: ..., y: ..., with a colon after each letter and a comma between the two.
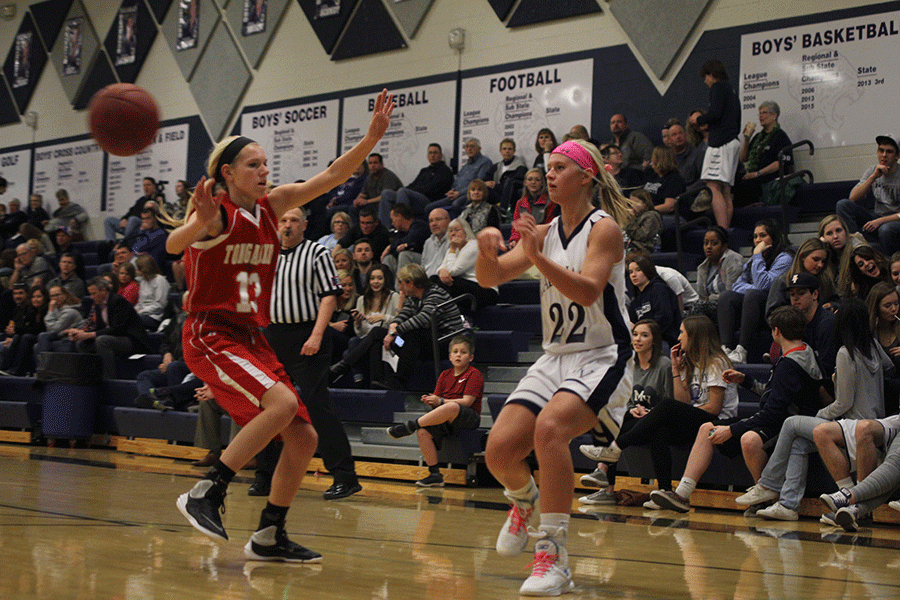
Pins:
x: 248, y: 290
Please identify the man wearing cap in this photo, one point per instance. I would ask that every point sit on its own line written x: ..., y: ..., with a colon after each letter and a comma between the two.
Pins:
x: 803, y: 289
x: 63, y: 241
x: 883, y: 179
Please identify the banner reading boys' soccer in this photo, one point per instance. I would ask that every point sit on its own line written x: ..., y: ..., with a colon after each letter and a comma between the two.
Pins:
x: 518, y: 104
x: 836, y: 83
x: 165, y: 160
x: 299, y: 140
x: 76, y: 167
x: 423, y: 116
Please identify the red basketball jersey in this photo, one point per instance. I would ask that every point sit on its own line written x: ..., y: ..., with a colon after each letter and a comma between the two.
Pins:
x: 231, y: 275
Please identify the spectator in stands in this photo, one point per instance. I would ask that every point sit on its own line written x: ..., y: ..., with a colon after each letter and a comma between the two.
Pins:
x: 30, y: 268
x: 12, y: 220
x: 65, y: 244
x: 153, y: 292
x: 701, y: 395
x: 812, y: 258
x: 170, y: 386
x: 666, y: 184
x: 343, y: 259
x: 340, y: 199
x: 652, y: 384
x: 747, y: 298
x: 430, y: 185
x: 367, y: 226
x: 362, y: 264
x: 628, y: 179
x: 455, y: 405
x: 63, y: 312
x: 895, y: 269
x: 128, y: 224
x: 35, y: 214
x: 177, y: 209
x: 410, y: 234
x: 69, y: 214
x: 413, y: 323
x: 150, y: 238
x: 685, y: 293
x: 759, y: 153
x: 208, y: 433
x: 833, y: 231
x: 535, y: 202
x: 28, y: 232
x: 340, y: 225
x: 129, y: 288
x: 341, y: 323
x: 883, y: 302
x: 643, y: 227
x: 121, y: 254
x: 698, y: 134
x: 858, y: 395
x: 436, y: 245
x: 793, y: 388
x: 480, y: 213
x: 378, y: 304
x: 637, y: 149
x: 67, y: 277
x: 718, y: 272
x: 457, y: 271
x: 112, y: 328
x: 690, y: 166
x: 653, y: 299
x: 476, y: 167
x: 22, y: 334
x: 724, y: 120
x: 882, y: 224
x: 378, y: 180
x: 866, y: 267
x: 505, y: 178
x: 544, y: 145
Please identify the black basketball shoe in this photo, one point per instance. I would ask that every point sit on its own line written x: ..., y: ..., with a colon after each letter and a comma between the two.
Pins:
x: 272, y: 544
x: 201, y: 506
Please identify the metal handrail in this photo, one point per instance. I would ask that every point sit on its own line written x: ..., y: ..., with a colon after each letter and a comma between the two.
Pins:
x: 435, y: 339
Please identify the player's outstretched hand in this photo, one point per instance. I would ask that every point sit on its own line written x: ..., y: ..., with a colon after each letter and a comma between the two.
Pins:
x: 490, y: 240
x: 205, y: 203
x: 381, y: 115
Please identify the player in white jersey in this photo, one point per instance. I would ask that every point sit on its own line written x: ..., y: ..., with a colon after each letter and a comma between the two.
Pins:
x: 584, y: 379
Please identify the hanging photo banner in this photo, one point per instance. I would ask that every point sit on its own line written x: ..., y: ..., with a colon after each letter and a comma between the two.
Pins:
x: 15, y: 168
x: 165, y: 160
x: 829, y: 79
x: 298, y: 139
x: 188, y: 24
x: 254, y: 18
x: 126, y: 37
x: 75, y: 166
x: 517, y: 104
x: 72, y: 46
x: 422, y: 117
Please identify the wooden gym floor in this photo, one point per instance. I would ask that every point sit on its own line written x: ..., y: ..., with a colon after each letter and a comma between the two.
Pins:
x: 102, y: 525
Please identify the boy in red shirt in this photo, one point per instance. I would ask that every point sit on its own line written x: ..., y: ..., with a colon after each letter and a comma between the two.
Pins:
x: 454, y: 405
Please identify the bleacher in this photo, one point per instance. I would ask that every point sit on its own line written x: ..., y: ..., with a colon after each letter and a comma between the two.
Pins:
x: 507, y: 342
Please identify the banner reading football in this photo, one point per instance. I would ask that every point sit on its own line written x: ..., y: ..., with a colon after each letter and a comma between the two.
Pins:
x: 423, y: 116
x: 518, y: 104
x: 835, y: 82
x: 76, y: 167
x: 298, y: 139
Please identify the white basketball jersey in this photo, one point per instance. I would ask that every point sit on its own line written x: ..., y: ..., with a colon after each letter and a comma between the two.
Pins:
x: 568, y: 326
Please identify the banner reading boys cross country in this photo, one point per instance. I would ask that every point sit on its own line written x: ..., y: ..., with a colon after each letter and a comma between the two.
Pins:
x: 298, y: 139
x: 423, y: 116
x: 836, y: 83
x: 518, y: 104
x: 76, y: 167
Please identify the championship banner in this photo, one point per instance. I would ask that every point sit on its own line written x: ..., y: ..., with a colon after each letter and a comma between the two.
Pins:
x: 518, y: 104
x: 298, y: 139
x: 423, y: 116
x: 76, y: 167
x: 165, y: 160
x: 836, y: 82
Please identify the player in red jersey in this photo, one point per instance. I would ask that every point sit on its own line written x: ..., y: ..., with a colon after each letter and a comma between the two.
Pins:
x: 230, y: 244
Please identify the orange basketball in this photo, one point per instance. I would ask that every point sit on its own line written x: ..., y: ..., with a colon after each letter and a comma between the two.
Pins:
x: 123, y: 118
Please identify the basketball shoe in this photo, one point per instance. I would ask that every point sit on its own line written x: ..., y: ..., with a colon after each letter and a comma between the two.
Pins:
x: 201, y: 507
x: 550, y: 574
x: 272, y: 544
x: 513, y: 538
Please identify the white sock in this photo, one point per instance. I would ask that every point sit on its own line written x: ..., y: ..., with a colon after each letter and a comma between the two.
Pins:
x: 559, y: 522
x: 528, y: 493
x: 686, y: 487
x: 846, y: 482
x: 614, y: 446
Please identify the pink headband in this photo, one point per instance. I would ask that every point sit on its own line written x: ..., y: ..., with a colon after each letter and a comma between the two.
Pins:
x: 578, y: 153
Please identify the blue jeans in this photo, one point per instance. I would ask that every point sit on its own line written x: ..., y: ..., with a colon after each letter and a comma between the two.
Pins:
x: 113, y: 225
x: 787, y: 467
x: 413, y: 199
x: 153, y: 378
x: 855, y: 216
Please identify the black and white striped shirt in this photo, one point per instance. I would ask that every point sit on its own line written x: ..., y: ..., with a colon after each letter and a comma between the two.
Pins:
x: 304, y: 275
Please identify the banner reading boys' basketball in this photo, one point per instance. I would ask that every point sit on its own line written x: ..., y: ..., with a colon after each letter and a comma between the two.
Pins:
x: 164, y: 160
x: 299, y: 139
x: 423, y: 116
x: 75, y: 166
x: 836, y: 82
x: 518, y: 104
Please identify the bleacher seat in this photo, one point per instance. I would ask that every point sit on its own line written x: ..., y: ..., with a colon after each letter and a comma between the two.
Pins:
x: 519, y: 291
x: 367, y: 406
x: 516, y: 317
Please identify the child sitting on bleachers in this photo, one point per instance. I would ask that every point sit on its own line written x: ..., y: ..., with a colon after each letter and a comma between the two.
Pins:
x: 454, y: 405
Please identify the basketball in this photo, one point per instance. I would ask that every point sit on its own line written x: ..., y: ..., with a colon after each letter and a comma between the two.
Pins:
x: 123, y: 118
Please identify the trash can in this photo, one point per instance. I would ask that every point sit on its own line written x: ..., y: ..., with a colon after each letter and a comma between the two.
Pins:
x: 71, y: 384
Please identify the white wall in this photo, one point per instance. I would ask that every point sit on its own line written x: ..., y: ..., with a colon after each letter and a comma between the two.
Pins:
x: 296, y: 65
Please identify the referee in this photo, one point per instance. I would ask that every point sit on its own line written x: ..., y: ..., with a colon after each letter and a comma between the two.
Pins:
x: 303, y: 297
